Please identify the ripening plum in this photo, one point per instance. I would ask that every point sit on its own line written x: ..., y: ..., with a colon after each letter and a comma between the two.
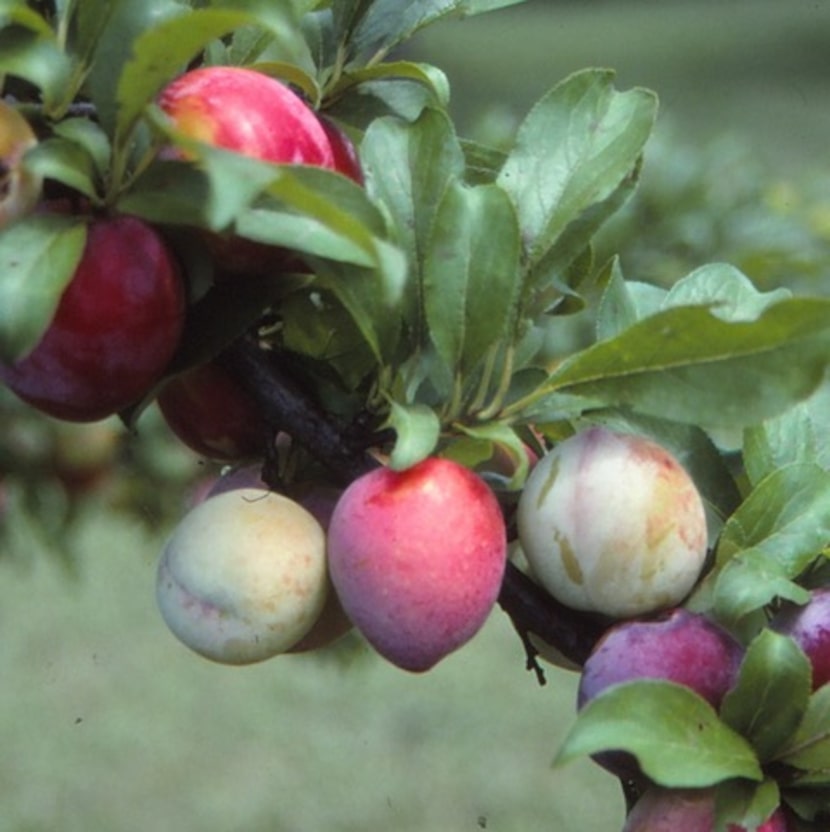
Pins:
x: 809, y: 626
x: 687, y: 810
x: 417, y: 558
x: 611, y: 523
x: 682, y: 647
x: 243, y: 576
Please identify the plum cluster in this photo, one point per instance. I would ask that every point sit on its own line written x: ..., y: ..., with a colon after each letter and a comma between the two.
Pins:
x: 608, y: 524
x: 121, y: 317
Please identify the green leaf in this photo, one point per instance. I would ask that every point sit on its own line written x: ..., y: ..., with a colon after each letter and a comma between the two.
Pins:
x: 575, y: 149
x: 428, y: 76
x: 809, y: 748
x: 787, y: 515
x: 38, y: 257
x: 89, y: 136
x: 675, y: 735
x: 125, y: 21
x: 746, y: 804
x: 408, y: 168
x: 471, y: 275
x: 616, y: 311
x: 748, y: 582
x: 801, y: 434
x: 417, y: 430
x: 688, y: 365
x: 729, y: 293
x: 771, y: 695
x: 30, y: 53
x: 491, y: 436
x: 67, y: 162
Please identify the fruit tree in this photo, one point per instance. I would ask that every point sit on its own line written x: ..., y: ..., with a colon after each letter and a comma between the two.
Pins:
x: 435, y: 400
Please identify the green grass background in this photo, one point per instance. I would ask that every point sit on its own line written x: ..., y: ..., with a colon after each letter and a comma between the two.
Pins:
x: 107, y: 723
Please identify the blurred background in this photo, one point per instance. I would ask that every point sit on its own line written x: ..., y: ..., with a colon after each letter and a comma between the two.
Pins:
x: 107, y: 723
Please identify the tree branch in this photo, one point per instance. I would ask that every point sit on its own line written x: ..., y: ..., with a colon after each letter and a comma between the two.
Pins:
x: 286, y: 406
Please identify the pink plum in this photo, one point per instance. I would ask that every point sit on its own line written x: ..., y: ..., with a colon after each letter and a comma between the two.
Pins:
x: 611, y: 523
x: 417, y: 558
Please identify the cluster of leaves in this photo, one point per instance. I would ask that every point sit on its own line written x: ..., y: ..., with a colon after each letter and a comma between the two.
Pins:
x: 458, y: 299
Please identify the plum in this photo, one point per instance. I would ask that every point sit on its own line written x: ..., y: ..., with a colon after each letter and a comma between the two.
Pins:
x: 243, y: 576
x: 417, y: 558
x: 612, y: 524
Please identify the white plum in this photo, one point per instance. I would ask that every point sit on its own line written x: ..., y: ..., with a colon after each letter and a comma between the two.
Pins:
x: 243, y: 576
x: 613, y: 524
x: 417, y: 558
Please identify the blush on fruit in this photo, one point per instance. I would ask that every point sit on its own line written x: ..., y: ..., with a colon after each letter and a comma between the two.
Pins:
x: 417, y: 559
x: 243, y: 576
x: 115, y: 329
x: 612, y: 524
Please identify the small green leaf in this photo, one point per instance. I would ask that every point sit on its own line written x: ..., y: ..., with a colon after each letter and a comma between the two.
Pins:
x: 728, y: 292
x: 417, y: 430
x: 35, y: 57
x: 495, y: 434
x: 749, y: 581
x: 575, y: 149
x: 801, y: 434
x: 89, y: 136
x: 114, y: 42
x: 408, y: 168
x: 675, y: 735
x: 471, y: 275
x: 428, y: 76
x: 809, y: 748
x: 67, y: 162
x: 616, y: 311
x: 745, y: 804
x: 770, y: 697
x: 38, y: 257
x: 787, y: 515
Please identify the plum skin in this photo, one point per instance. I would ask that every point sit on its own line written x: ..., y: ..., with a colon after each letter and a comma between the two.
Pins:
x: 115, y: 329
x: 686, y: 810
x: 252, y: 114
x: 680, y: 646
x: 243, y: 576
x: 212, y: 415
x: 612, y: 523
x: 417, y: 558
x: 809, y: 627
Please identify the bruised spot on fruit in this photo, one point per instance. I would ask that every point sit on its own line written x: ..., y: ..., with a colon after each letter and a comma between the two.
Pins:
x: 550, y: 479
x: 569, y: 559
